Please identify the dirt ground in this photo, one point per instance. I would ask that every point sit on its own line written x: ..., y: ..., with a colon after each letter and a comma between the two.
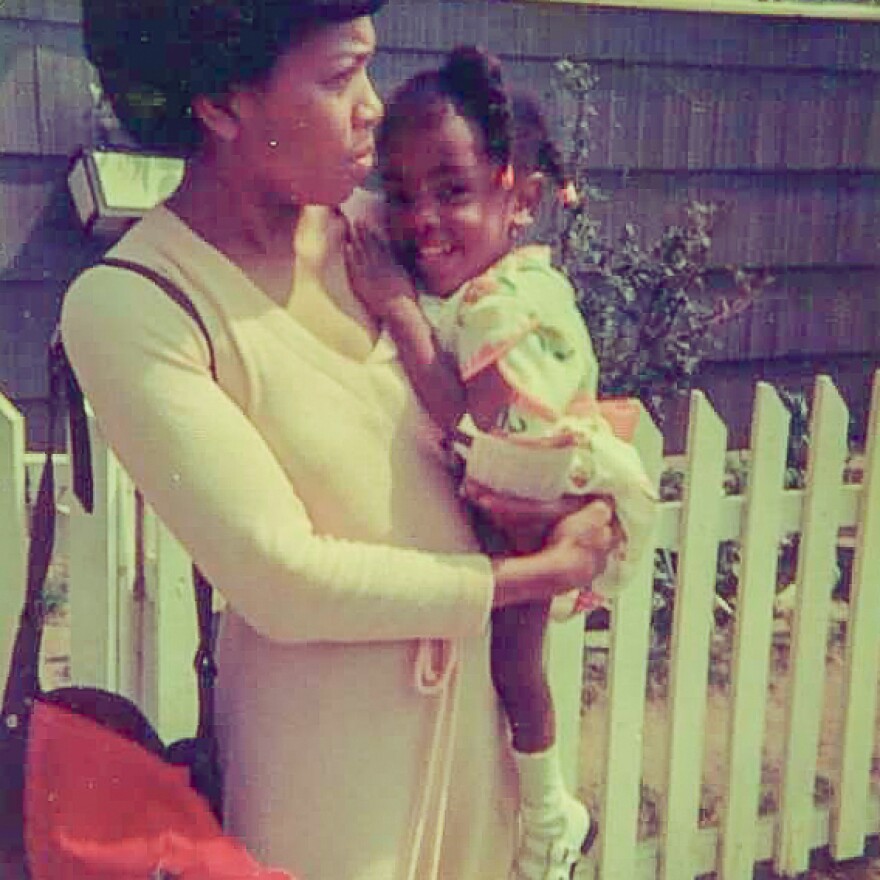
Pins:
x: 655, y: 739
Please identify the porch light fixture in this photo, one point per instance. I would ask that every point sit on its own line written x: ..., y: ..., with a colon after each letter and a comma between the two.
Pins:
x: 112, y: 188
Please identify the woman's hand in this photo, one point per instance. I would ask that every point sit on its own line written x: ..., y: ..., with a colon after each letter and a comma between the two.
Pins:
x: 584, y: 539
x: 574, y: 553
x: 376, y: 277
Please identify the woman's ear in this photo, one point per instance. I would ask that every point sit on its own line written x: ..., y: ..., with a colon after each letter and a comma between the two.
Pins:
x: 219, y: 116
x: 527, y: 199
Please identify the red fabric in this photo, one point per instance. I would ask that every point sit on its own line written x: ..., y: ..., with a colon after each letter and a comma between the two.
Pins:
x: 99, y: 807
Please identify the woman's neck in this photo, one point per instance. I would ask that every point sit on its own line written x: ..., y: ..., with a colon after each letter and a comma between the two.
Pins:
x: 224, y: 209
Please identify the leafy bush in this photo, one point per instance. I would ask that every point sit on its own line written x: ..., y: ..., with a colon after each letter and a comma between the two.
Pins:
x: 649, y: 318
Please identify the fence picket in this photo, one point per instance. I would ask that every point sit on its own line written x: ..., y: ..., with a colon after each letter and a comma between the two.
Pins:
x: 13, y: 527
x: 94, y: 575
x: 849, y: 816
x: 128, y: 617
x: 627, y: 669
x: 564, y: 651
x: 816, y: 560
x: 693, y: 620
x: 753, y: 634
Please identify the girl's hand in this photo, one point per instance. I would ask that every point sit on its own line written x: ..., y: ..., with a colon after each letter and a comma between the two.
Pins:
x: 376, y: 277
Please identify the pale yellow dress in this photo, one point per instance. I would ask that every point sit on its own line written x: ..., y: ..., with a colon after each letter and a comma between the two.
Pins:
x: 360, y: 732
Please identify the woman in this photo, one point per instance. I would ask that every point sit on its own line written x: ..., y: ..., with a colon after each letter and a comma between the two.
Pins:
x: 355, y: 708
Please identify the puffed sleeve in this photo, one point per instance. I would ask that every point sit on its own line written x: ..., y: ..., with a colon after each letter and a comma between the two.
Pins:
x: 214, y: 481
x: 522, y: 319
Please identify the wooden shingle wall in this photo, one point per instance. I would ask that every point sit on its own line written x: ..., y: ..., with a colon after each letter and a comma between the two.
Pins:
x: 44, y: 117
x: 777, y: 119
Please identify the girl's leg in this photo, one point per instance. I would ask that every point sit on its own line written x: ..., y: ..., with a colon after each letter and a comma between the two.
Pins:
x: 554, y: 825
x: 518, y: 674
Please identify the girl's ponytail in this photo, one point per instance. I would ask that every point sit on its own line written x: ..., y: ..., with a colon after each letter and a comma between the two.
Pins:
x: 472, y: 78
x: 535, y: 150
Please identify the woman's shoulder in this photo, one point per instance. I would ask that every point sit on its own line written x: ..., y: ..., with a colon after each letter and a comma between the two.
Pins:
x: 117, y: 298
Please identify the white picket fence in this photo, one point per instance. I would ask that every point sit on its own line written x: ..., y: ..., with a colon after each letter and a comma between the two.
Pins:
x: 133, y: 630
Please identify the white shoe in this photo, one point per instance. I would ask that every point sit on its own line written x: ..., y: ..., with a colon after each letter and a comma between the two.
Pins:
x: 551, y: 852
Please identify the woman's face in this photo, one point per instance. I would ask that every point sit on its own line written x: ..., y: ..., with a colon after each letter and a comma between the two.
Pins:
x: 449, y: 215
x: 306, y: 134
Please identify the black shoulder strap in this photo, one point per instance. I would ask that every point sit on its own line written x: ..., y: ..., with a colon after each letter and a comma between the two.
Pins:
x: 173, y: 292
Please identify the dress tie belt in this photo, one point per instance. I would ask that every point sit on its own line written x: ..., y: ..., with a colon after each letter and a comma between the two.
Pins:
x: 436, y: 673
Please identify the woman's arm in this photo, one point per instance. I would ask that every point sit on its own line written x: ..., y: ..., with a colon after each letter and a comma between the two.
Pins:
x: 217, y: 485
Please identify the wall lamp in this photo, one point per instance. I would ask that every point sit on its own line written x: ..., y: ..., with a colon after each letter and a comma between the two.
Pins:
x: 112, y: 188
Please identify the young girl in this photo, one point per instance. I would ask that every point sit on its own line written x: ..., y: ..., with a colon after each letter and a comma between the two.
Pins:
x: 499, y: 355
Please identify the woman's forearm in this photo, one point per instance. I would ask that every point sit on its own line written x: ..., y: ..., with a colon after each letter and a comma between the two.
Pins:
x: 531, y: 578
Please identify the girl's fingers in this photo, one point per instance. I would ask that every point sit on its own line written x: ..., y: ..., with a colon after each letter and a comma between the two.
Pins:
x: 370, y: 247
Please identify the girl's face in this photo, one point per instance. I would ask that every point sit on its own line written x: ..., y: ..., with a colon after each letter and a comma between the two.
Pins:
x: 449, y: 215
x: 306, y: 134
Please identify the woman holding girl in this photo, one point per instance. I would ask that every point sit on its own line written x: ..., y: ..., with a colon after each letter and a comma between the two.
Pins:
x: 356, y: 715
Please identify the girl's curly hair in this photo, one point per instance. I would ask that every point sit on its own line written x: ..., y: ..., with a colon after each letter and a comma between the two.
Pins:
x: 511, y: 122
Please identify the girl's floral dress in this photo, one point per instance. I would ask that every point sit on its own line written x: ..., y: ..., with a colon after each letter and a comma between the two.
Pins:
x: 553, y: 437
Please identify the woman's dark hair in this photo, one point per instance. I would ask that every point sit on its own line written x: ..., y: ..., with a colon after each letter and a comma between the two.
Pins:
x: 154, y: 57
x: 511, y: 122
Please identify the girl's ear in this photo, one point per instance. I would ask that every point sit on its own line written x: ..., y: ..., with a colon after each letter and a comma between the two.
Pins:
x: 527, y: 199
x: 219, y: 116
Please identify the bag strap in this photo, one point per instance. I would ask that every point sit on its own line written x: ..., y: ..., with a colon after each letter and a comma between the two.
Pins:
x: 173, y: 292
x: 23, y: 682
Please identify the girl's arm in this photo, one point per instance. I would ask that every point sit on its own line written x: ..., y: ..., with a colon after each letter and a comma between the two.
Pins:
x: 388, y: 293
x: 433, y: 374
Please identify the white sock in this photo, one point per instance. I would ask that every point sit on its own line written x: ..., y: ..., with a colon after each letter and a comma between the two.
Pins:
x: 553, y: 824
x: 542, y: 789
